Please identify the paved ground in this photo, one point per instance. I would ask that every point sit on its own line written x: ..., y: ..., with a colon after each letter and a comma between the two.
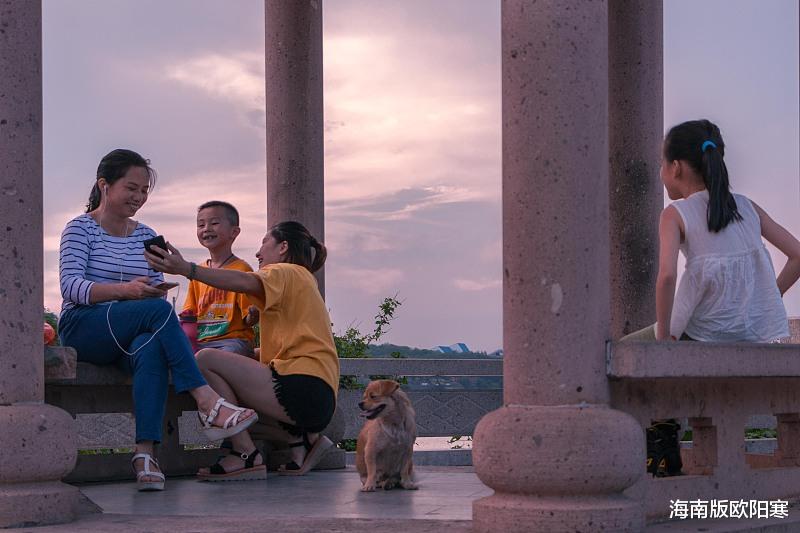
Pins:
x: 320, y: 502
x: 333, y: 494
x: 179, y: 524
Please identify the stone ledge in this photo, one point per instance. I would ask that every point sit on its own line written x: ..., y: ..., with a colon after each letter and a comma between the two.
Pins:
x: 62, y: 368
x: 87, y: 374
x: 421, y: 367
x: 653, y: 360
x: 60, y: 362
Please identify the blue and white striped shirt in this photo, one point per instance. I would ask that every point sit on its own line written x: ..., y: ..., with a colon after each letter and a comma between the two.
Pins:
x: 89, y: 255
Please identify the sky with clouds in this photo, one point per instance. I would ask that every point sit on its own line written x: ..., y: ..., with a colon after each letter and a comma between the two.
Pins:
x: 412, y: 133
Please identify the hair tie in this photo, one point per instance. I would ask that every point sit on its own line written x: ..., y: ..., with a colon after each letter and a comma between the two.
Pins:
x: 706, y: 145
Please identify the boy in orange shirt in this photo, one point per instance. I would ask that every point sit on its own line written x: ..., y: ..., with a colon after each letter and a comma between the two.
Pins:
x: 225, y: 319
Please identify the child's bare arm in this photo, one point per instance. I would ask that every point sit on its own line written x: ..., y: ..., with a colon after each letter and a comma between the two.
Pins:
x: 669, y: 237
x: 784, y: 241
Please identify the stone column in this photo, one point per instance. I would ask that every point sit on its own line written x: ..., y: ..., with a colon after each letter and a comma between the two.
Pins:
x: 636, y: 129
x: 38, y: 441
x: 295, y: 151
x: 557, y: 456
x: 295, y: 182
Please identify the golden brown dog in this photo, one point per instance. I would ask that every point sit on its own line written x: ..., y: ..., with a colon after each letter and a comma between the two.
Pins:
x: 386, y: 442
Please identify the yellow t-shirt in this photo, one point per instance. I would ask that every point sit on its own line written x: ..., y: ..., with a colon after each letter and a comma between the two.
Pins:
x: 296, y: 336
x: 220, y: 314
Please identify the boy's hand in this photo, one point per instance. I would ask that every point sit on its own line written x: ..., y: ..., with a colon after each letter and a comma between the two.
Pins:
x: 252, y: 316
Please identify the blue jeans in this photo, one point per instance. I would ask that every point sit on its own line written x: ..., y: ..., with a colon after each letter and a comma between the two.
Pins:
x: 133, y: 321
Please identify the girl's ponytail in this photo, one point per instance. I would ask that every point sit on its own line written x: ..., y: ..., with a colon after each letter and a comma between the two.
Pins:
x: 699, y: 143
x: 722, y: 209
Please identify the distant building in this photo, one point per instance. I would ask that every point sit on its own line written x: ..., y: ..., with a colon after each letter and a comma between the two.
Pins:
x: 794, y: 330
x: 458, y: 347
x: 497, y: 354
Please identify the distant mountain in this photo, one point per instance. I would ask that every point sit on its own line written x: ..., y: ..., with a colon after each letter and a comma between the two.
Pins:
x: 386, y: 350
x: 422, y: 383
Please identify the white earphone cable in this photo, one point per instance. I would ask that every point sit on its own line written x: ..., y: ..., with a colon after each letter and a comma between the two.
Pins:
x: 111, y: 303
x: 153, y: 336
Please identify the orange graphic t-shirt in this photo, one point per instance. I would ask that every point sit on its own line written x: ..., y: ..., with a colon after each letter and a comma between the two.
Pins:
x: 220, y: 314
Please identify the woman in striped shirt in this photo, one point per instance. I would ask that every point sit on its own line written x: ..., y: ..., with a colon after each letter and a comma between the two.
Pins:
x: 114, y: 312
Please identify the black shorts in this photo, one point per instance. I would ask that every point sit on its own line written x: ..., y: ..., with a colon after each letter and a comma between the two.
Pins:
x: 307, y: 400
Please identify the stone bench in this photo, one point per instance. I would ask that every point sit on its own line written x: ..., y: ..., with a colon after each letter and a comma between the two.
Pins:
x: 84, y: 389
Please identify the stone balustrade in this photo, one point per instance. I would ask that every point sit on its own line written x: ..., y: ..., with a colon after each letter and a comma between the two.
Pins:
x: 718, y: 387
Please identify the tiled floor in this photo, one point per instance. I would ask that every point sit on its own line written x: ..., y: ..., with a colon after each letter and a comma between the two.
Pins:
x: 444, y: 494
x: 320, y: 502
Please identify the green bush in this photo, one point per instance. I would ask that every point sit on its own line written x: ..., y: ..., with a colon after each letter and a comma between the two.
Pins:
x: 754, y: 433
x: 760, y: 433
x: 348, y: 445
x: 353, y: 344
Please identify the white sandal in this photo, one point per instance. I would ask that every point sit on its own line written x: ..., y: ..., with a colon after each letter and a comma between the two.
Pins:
x: 147, y: 485
x: 232, y: 425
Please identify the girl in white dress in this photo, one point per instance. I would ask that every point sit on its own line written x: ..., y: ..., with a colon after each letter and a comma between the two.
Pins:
x: 728, y: 291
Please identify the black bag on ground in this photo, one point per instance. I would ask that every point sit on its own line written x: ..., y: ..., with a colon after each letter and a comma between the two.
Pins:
x: 664, y: 448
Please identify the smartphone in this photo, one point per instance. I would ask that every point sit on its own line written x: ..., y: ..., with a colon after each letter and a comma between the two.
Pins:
x: 159, y: 241
x: 166, y: 285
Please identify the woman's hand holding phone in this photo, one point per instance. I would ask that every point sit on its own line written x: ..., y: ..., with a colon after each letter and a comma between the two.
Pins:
x: 140, y: 288
x: 168, y: 260
x: 165, y: 285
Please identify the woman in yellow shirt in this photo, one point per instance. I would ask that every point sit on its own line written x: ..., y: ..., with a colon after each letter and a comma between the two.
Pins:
x: 294, y: 384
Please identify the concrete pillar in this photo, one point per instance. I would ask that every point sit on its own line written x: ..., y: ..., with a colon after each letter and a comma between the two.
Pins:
x: 636, y: 129
x: 38, y: 442
x: 788, y: 439
x: 704, y: 446
x: 550, y: 453
x: 295, y: 181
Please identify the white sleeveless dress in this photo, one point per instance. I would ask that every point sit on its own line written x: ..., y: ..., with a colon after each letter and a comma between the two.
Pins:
x: 728, y: 292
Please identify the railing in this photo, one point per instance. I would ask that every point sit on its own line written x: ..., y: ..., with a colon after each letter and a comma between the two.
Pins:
x: 718, y: 387
x: 438, y: 412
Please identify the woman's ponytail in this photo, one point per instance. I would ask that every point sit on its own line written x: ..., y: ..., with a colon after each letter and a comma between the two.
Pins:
x: 300, y: 242
x: 320, y: 254
x: 699, y: 143
x: 94, y: 198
